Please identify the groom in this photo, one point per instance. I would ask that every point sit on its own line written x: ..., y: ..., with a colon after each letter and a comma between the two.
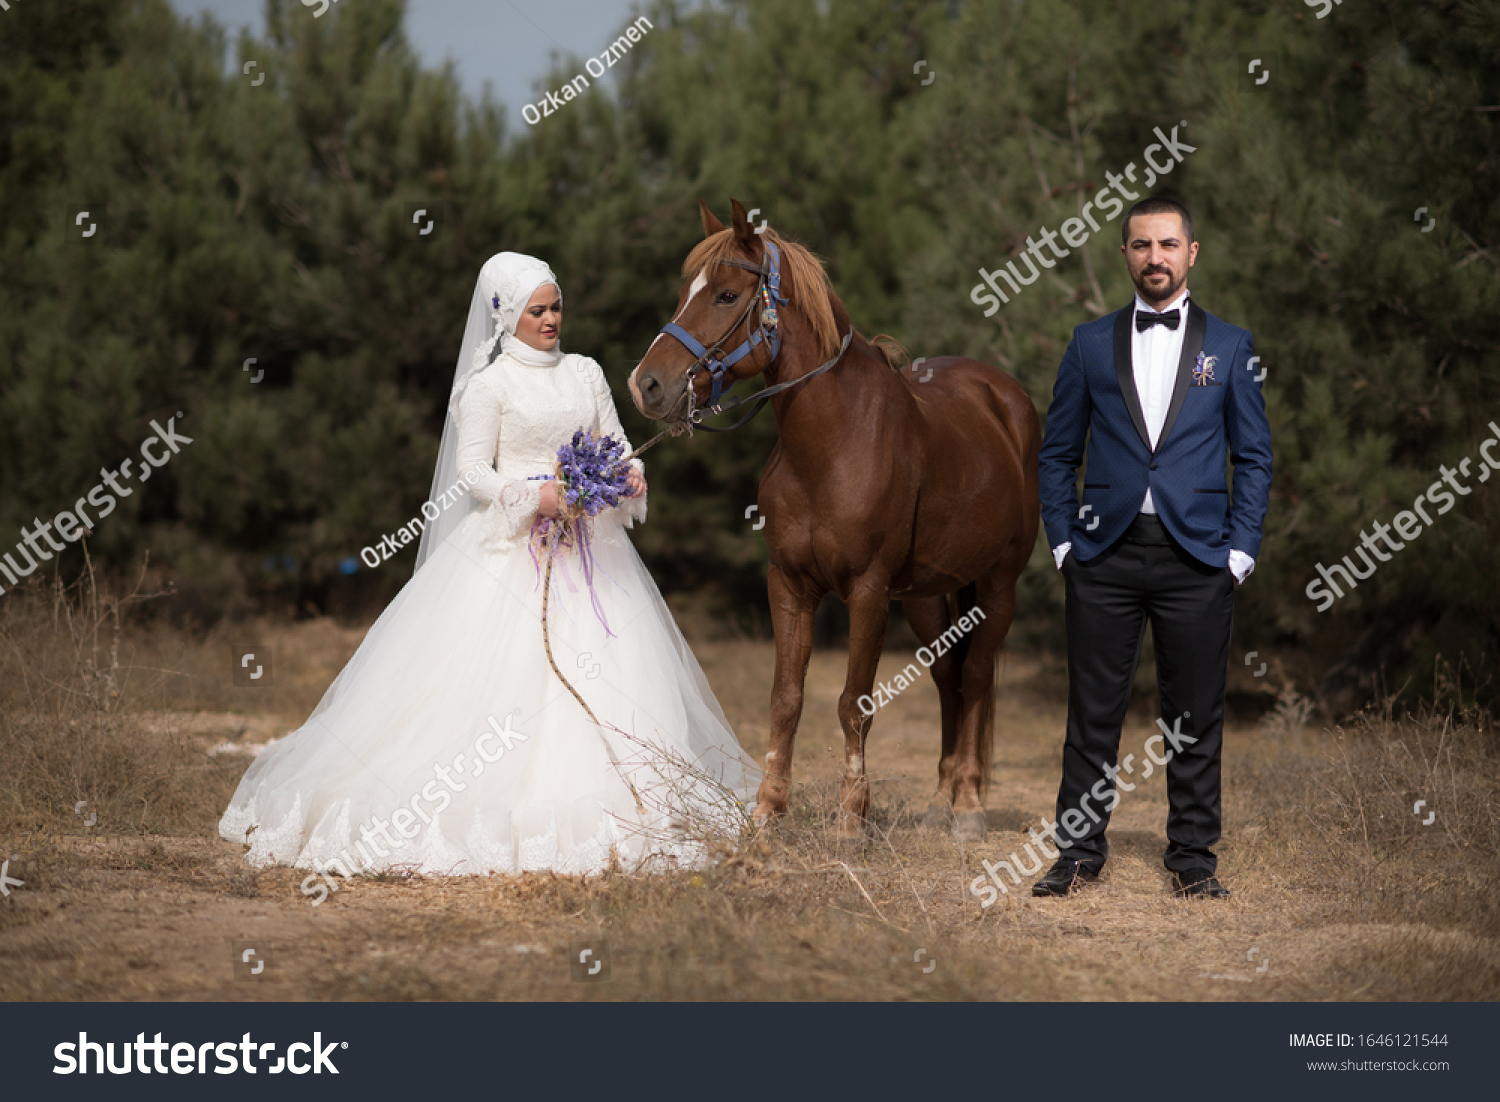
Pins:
x: 1153, y: 396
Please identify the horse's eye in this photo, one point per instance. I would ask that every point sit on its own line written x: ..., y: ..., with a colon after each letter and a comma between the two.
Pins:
x: 728, y: 297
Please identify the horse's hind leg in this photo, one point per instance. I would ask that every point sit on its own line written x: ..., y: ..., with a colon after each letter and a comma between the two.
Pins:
x: 996, y: 607
x: 869, y: 610
x: 792, y: 614
x: 929, y: 619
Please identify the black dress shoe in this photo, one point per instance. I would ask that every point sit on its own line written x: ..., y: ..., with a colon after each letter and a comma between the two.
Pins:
x: 1199, y: 882
x: 1065, y: 876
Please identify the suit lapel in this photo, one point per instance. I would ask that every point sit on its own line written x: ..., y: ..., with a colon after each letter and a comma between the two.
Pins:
x: 1192, y: 344
x: 1125, y: 371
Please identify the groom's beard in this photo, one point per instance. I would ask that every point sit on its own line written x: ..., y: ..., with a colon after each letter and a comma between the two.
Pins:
x: 1160, y: 298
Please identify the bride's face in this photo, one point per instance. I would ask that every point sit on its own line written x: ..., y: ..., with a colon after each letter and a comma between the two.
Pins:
x: 541, y: 322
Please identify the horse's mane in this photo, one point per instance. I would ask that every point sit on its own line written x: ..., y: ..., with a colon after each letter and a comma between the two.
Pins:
x: 803, y: 280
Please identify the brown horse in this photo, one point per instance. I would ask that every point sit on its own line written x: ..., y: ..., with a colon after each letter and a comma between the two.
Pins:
x: 885, y: 484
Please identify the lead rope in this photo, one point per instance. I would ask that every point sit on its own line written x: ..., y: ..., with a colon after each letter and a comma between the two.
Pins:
x: 676, y: 429
x: 671, y: 430
x: 547, y: 643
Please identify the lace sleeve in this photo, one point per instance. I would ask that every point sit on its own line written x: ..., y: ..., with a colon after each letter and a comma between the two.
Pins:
x: 511, y: 505
x: 632, y: 510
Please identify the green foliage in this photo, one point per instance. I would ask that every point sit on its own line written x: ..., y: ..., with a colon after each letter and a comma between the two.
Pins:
x: 275, y: 221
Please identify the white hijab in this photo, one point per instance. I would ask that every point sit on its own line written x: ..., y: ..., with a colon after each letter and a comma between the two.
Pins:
x: 507, y: 281
x: 505, y: 285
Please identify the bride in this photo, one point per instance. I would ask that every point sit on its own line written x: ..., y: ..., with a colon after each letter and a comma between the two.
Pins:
x: 448, y: 745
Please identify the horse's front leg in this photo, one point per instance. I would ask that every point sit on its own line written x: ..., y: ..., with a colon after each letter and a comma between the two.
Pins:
x: 869, y: 609
x: 792, y: 612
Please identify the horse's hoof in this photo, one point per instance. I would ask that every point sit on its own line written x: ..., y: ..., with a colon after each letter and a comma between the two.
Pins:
x: 969, y: 826
x: 850, y: 827
x: 939, y: 815
x: 846, y: 845
x: 766, y: 814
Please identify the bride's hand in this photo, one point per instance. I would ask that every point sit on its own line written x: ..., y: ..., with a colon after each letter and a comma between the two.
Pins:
x: 636, y: 481
x: 549, y: 503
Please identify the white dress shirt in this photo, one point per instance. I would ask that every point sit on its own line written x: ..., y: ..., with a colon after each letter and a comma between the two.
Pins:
x: 1154, y: 357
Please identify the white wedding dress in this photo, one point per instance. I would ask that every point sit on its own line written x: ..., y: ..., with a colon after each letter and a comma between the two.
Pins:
x: 448, y: 745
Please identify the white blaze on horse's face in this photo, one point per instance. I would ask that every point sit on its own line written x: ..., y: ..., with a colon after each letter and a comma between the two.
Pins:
x: 699, y: 282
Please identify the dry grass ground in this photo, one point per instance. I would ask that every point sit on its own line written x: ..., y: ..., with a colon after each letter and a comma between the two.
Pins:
x: 1339, y: 891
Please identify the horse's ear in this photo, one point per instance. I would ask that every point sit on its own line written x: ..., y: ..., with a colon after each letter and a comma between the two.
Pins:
x: 711, y: 225
x: 744, y: 232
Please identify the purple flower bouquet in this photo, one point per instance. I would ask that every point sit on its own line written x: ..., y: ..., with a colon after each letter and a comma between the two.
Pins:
x: 592, y: 475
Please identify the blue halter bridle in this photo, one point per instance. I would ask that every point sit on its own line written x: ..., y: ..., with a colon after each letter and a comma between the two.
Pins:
x: 768, y: 294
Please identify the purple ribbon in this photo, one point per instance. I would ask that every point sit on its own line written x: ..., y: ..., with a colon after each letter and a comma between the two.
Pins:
x: 541, y: 534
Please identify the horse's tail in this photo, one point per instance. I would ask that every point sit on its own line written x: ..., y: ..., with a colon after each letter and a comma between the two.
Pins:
x: 966, y: 601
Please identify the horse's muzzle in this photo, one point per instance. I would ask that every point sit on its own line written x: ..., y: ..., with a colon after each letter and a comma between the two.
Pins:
x: 659, y: 395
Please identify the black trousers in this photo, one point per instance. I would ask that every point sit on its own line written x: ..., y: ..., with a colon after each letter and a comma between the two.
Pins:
x: 1145, y: 575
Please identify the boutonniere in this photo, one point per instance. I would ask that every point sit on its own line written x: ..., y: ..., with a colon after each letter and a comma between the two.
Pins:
x: 1203, y: 369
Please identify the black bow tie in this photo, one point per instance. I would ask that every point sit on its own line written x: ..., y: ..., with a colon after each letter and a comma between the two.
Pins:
x: 1144, y: 321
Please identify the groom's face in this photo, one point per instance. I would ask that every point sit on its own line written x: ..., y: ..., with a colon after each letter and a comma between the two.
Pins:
x: 1158, y: 254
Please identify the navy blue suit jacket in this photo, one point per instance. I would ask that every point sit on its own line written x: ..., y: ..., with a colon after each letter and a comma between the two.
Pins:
x: 1095, y: 402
